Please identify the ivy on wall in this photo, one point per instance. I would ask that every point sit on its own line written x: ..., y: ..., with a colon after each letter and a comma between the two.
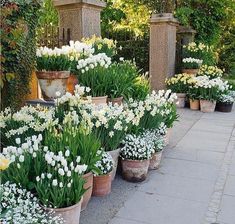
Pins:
x: 18, y: 49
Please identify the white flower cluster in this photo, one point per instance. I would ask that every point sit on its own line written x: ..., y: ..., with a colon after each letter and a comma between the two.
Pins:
x: 36, y: 119
x: 17, y: 153
x: 105, y: 164
x: 20, y: 206
x: 93, y: 61
x: 192, y: 60
x: 136, y: 148
x: 207, y: 83
x: 227, y: 98
x: 74, y: 51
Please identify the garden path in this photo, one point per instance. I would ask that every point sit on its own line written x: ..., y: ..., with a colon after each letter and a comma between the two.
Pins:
x: 194, y: 185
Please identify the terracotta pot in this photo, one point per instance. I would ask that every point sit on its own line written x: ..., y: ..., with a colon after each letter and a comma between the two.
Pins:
x: 224, y: 107
x: 51, y: 82
x: 87, y: 186
x: 99, y: 100
x: 115, y: 156
x: 190, y: 71
x: 117, y: 101
x: 71, y: 83
x: 207, y: 106
x: 194, y: 104
x: 102, y: 185
x: 70, y: 215
x: 180, y: 102
x: 135, y: 170
x: 168, y: 135
x: 155, y: 161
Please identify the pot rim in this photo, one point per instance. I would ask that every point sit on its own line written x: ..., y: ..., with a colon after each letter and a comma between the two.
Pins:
x: 116, y: 98
x: 98, y: 97
x: 52, y: 74
x: 103, y: 175
x: 211, y: 101
x: 64, y: 209
x: 136, y: 161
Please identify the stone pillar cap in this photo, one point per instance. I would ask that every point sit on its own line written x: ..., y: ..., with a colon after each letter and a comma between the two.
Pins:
x: 163, y: 17
x: 61, y: 3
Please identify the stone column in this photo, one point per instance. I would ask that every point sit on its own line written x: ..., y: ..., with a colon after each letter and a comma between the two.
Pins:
x: 185, y: 35
x: 82, y: 17
x: 162, y: 48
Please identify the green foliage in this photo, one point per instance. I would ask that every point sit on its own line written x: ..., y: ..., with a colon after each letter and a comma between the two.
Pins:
x: 18, y: 49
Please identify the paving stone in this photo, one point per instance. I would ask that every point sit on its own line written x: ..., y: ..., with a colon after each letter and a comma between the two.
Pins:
x: 230, y: 186
x: 227, y: 212
x: 161, y: 209
x: 125, y: 221
x: 179, y: 187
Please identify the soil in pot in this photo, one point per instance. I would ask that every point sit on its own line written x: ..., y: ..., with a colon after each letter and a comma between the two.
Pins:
x: 180, y: 102
x: 115, y: 156
x: 51, y: 82
x: 135, y: 170
x: 207, y: 106
x: 88, y: 187
x: 224, y: 107
x: 70, y: 215
x: 102, y: 185
x: 99, y: 100
x: 194, y: 104
x: 192, y: 71
x: 117, y: 101
x: 155, y: 161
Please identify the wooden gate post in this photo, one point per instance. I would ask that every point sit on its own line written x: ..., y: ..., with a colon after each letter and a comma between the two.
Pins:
x: 162, y: 49
x: 81, y: 17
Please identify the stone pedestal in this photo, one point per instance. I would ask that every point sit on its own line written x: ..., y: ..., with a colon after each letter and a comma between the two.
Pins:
x: 81, y: 17
x: 162, y: 48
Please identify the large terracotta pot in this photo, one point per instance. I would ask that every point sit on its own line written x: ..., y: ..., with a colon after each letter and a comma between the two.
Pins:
x: 52, y: 82
x: 194, y: 104
x: 117, y: 101
x: 180, y: 102
x: 190, y: 71
x: 135, y: 170
x: 115, y: 156
x: 71, y: 83
x: 167, y: 136
x: 70, y: 215
x: 224, y: 107
x: 207, y: 106
x: 87, y: 186
x: 102, y: 185
x: 99, y: 100
x: 155, y: 161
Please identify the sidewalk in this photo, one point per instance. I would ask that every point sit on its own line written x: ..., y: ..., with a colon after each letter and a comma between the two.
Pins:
x: 194, y: 185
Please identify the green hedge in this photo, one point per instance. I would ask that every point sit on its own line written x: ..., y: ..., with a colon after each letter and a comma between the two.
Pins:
x: 18, y: 49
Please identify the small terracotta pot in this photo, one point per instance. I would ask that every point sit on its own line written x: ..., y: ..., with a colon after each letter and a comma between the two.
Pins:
x: 224, y: 107
x: 135, y: 170
x: 115, y: 156
x: 207, y: 106
x: 71, y: 83
x: 194, y: 104
x: 102, y: 185
x: 155, y: 161
x: 99, y: 100
x: 168, y: 135
x: 87, y: 186
x: 117, y: 101
x: 52, y: 82
x: 192, y: 71
x: 70, y: 215
x: 180, y: 102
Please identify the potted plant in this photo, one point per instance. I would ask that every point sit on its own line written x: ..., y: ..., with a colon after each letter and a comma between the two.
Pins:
x: 92, y: 73
x: 179, y: 84
x: 53, y: 71
x: 158, y: 142
x: 135, y: 157
x: 211, y: 71
x: 191, y: 65
x: 193, y: 95
x: 225, y: 102
x: 103, y: 178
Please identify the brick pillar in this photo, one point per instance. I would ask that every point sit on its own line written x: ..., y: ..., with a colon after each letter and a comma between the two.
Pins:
x: 162, y: 48
x: 82, y: 17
